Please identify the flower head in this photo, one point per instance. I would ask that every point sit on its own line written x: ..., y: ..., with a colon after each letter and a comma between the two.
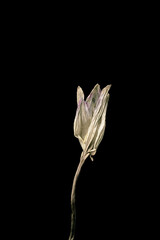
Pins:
x: 89, y: 123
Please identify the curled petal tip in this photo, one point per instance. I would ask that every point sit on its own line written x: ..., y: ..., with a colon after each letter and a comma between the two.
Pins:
x: 78, y: 88
x: 80, y: 95
x: 97, y: 85
x: 108, y: 87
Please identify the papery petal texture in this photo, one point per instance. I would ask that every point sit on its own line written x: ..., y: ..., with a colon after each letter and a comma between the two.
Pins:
x: 93, y: 98
x: 90, y: 119
x: 101, y: 126
x: 99, y: 110
x: 80, y: 95
x: 85, y: 119
x: 81, y: 122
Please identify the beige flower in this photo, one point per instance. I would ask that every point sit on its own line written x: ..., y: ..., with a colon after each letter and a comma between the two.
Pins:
x: 89, y: 123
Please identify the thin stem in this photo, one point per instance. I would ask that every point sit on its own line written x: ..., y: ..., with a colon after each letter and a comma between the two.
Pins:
x: 73, y: 205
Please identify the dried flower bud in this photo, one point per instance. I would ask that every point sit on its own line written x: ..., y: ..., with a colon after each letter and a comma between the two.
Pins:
x: 89, y: 123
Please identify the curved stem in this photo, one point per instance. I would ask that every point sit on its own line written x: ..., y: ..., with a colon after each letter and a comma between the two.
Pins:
x: 73, y: 205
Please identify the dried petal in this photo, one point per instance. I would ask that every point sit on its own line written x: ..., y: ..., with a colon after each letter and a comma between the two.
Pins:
x: 92, y: 98
x: 89, y: 123
x: 96, y: 119
x: 77, y: 123
x: 101, y: 128
x: 101, y: 101
x: 85, y: 119
x: 80, y: 95
x: 81, y: 122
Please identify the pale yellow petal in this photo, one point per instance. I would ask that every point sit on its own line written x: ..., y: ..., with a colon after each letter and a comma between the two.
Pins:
x: 80, y: 95
x: 101, y: 127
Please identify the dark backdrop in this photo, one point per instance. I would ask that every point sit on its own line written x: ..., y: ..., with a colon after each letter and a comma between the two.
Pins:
x: 111, y: 191
x: 46, y: 60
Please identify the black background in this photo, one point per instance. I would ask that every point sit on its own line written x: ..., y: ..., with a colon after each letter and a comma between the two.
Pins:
x: 46, y: 56
x: 114, y: 195
x: 112, y: 192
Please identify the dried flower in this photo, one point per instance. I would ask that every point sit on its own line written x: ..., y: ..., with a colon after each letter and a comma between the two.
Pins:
x: 89, y: 127
x: 89, y: 123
